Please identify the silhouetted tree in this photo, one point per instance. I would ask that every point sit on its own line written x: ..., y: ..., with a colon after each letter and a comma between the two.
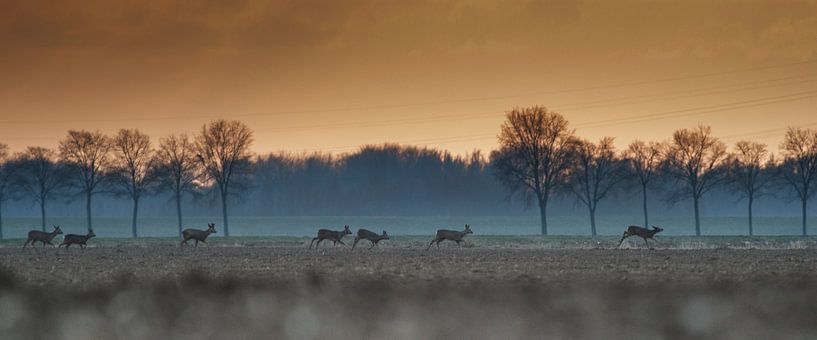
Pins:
x: 799, y: 167
x: 133, y: 170
x: 178, y: 168
x: 596, y: 171
x: 644, y: 159
x: 87, y: 154
x: 7, y: 189
x: 223, y: 150
x: 535, y: 153
x: 41, y: 176
x: 695, y: 157
x: 747, y: 175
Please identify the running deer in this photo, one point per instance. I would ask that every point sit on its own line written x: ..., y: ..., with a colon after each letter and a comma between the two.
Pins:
x: 80, y: 240
x: 197, y: 235
x: 44, y: 237
x: 640, y: 232
x: 374, y: 238
x: 452, y: 235
x: 331, y: 235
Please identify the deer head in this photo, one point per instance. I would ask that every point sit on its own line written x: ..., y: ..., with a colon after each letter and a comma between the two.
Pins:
x: 211, y: 228
x: 57, y: 230
x: 468, y: 229
x: 657, y: 229
x: 91, y: 233
x: 346, y: 231
x: 385, y: 236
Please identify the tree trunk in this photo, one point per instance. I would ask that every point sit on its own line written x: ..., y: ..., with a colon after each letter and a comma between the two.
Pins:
x: 805, y: 205
x: 543, y: 215
x: 42, y: 213
x: 751, y: 231
x: 224, y: 214
x: 133, y: 221
x: 697, y: 217
x: 644, y: 197
x: 179, y: 210
x: 593, y: 221
x: 88, y: 195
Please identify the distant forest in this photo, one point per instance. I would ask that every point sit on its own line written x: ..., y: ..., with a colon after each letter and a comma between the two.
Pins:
x: 385, y: 180
x: 215, y: 174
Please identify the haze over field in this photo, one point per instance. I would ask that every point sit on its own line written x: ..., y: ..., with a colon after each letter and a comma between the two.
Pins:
x: 330, y: 76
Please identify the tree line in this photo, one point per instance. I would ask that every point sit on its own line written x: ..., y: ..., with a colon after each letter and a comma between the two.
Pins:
x: 89, y: 163
x: 539, y: 160
x: 540, y: 156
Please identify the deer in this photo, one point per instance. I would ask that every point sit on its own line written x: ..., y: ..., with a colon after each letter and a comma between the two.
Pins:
x: 644, y: 233
x: 44, y: 237
x: 453, y: 235
x: 331, y: 235
x: 374, y: 238
x: 197, y: 235
x: 80, y: 240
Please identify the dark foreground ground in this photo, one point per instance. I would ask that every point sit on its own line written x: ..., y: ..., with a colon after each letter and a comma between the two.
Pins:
x: 280, y: 291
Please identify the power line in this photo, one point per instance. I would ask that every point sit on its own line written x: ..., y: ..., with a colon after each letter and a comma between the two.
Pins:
x: 492, y: 114
x: 697, y: 110
x: 641, y: 118
x: 375, y: 107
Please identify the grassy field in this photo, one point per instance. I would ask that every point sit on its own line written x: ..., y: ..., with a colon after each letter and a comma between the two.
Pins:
x: 495, y: 288
x: 408, y: 225
x: 479, y: 241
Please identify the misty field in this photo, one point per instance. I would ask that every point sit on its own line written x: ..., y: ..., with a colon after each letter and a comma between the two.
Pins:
x: 494, y: 287
x: 405, y: 225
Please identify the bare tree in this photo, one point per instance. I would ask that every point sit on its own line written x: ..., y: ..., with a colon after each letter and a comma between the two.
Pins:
x: 223, y: 150
x: 88, y: 155
x: 644, y: 159
x: 7, y: 172
x: 178, y: 168
x: 596, y: 171
x: 695, y: 157
x: 41, y: 176
x: 747, y: 175
x: 799, y: 167
x: 133, y: 168
x: 535, y: 153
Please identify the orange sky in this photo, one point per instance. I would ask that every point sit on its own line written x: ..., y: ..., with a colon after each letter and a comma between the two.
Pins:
x: 331, y: 75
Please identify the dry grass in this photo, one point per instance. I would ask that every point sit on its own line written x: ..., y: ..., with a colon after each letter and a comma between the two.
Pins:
x: 401, y: 292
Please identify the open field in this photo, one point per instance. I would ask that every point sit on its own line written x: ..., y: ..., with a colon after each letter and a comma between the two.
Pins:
x: 498, y: 287
x: 477, y: 241
x: 577, y: 225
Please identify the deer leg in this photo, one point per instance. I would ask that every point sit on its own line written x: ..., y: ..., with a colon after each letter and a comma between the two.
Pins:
x: 313, y: 241
x: 432, y: 242
x: 196, y: 245
x: 341, y: 242
x: 319, y: 243
x: 622, y: 239
x: 354, y: 244
x: 438, y: 243
x: 647, y: 243
x: 373, y: 244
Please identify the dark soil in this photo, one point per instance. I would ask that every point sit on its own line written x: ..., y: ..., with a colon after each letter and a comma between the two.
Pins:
x: 134, y: 292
